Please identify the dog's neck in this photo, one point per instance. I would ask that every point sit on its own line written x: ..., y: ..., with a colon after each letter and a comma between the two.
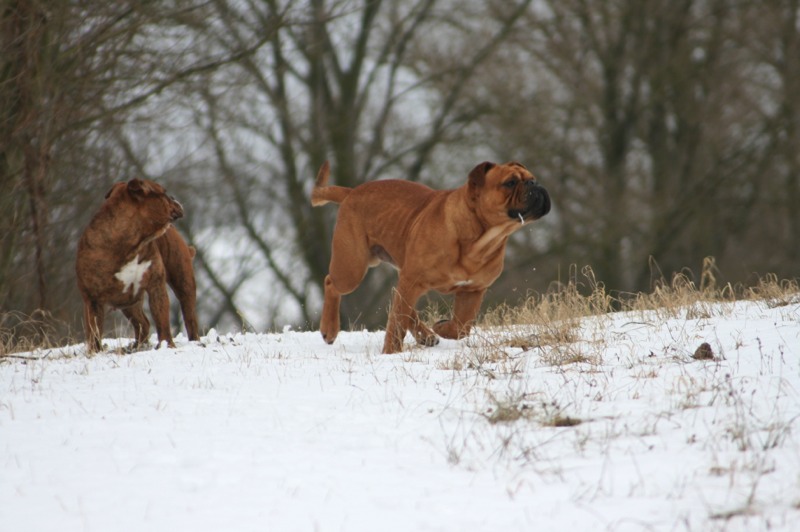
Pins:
x: 484, y: 239
x: 471, y: 225
x: 125, y: 235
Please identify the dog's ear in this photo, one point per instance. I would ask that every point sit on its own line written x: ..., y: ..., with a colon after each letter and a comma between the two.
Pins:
x: 136, y: 187
x: 477, y: 177
x: 112, y: 189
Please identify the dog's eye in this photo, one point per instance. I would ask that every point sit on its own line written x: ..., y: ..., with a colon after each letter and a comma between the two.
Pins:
x: 511, y: 183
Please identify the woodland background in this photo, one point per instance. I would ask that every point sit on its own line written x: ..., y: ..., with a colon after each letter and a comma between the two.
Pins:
x: 666, y: 131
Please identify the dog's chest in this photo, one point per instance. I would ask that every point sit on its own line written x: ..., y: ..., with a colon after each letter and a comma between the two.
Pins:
x: 132, y: 273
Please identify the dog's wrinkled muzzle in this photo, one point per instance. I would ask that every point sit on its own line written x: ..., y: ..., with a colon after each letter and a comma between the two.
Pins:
x: 536, y: 201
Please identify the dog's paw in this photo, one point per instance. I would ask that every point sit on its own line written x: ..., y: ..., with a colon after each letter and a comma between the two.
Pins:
x: 329, y: 337
x: 133, y: 347
x: 448, y: 329
x: 445, y: 329
x: 427, y: 338
x: 430, y: 341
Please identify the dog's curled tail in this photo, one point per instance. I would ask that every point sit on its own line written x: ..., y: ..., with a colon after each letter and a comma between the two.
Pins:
x: 324, y: 193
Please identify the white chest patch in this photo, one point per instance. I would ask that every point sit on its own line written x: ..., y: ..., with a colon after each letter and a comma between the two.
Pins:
x: 464, y: 283
x: 131, y: 274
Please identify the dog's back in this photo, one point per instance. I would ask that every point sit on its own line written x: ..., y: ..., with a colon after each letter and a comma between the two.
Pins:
x: 398, y: 190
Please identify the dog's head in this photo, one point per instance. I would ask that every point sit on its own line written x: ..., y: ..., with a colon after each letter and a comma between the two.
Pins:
x: 145, y: 201
x: 503, y: 192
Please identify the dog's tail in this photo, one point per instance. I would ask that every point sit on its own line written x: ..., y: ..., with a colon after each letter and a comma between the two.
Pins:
x: 324, y: 193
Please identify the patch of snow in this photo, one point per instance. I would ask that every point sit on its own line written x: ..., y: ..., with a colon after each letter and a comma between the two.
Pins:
x: 283, y: 432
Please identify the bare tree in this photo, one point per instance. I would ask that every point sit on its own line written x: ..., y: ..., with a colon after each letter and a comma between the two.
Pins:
x: 644, y: 118
x: 665, y: 130
x: 770, y: 34
x: 73, y: 75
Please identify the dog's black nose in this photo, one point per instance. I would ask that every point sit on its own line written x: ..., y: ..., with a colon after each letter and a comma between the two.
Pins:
x: 544, y: 199
x: 538, y: 198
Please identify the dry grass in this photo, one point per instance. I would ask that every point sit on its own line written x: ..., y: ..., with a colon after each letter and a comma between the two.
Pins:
x: 560, y: 309
x: 550, y: 322
x: 553, y: 319
x: 511, y: 409
x: 21, y: 333
x: 565, y: 304
x: 554, y: 323
x: 776, y: 292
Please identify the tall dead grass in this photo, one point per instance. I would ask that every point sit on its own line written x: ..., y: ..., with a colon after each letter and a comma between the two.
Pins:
x: 562, y: 307
x: 21, y: 333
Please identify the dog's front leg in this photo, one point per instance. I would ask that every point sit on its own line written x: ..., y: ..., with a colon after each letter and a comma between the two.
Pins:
x: 159, y: 307
x: 465, y: 309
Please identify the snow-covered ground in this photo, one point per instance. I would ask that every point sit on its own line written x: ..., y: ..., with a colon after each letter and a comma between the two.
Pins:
x: 281, y: 432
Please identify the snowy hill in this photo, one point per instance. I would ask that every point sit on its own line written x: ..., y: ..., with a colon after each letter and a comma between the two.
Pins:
x: 618, y: 428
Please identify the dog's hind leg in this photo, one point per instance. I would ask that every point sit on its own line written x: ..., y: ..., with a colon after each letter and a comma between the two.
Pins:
x: 185, y: 290
x: 329, y: 324
x: 188, y: 305
x: 177, y: 257
x: 341, y: 281
x: 159, y: 308
x: 350, y: 260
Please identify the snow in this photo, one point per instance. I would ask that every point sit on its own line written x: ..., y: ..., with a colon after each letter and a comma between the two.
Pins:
x: 283, y: 432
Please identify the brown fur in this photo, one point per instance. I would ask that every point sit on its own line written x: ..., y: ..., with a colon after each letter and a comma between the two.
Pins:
x: 451, y: 241
x: 131, y: 229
